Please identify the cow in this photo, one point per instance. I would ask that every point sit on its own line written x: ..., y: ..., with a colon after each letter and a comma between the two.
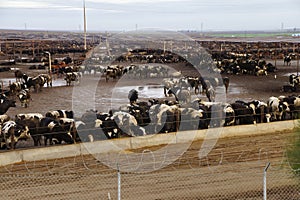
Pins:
x: 278, y: 108
x: 32, y: 121
x: 47, y: 79
x: 164, y: 118
x: 69, y: 126
x: 287, y: 60
x: 88, y: 128
x: 226, y: 83
x: 52, y: 129
x: 24, y: 97
x: 243, y: 113
x: 261, y: 111
x: 4, y: 118
x: 211, y: 93
x: 128, y: 124
x: 108, y: 125
x: 16, y: 87
x: 169, y: 83
x: 18, y: 75
x: 133, y: 95
x: 190, y: 118
x: 36, y: 82
x: 11, y: 133
x: 294, y: 80
x: 60, y: 114
x: 182, y: 95
x: 5, y: 104
x: 229, y: 115
x: 72, y: 76
x: 114, y: 72
x: 294, y: 106
x: 261, y: 72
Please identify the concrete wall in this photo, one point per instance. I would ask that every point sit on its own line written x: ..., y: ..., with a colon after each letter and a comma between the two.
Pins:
x: 119, y: 145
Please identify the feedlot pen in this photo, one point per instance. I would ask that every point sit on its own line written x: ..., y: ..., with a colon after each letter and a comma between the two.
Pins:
x: 234, y: 169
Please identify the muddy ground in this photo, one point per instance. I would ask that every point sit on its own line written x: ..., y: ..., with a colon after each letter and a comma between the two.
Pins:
x: 95, y: 93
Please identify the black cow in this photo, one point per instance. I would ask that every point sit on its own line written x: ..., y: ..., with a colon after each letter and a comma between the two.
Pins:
x: 226, y: 83
x: 243, y: 114
x: 5, y: 104
x: 18, y: 75
x: 133, y: 95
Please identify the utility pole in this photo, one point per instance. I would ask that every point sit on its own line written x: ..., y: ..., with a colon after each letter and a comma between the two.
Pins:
x: 84, y: 18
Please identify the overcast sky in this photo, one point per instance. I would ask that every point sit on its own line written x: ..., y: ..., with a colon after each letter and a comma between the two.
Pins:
x: 163, y: 14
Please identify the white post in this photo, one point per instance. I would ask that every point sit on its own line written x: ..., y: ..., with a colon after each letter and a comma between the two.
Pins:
x: 119, y: 183
x: 49, y: 54
x: 265, y: 181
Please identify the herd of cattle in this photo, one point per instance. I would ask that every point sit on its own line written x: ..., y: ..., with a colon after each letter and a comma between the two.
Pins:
x: 23, y: 85
x: 145, y: 117
x: 139, y: 118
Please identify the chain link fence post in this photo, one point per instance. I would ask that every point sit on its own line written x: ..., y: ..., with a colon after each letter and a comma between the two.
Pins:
x: 119, y: 183
x: 265, y: 181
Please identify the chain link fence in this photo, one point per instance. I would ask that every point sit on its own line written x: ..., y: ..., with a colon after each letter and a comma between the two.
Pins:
x: 234, y: 169
x: 191, y: 183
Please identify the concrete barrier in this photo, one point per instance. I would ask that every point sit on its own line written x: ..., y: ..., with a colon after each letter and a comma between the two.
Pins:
x: 119, y: 145
x: 48, y: 153
x: 11, y: 157
x: 105, y: 146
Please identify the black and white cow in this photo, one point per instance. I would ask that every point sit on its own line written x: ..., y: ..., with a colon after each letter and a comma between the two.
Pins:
x: 287, y: 60
x: 169, y: 83
x: 229, y: 115
x: 261, y: 111
x: 114, y: 71
x: 24, y: 97
x: 294, y: 80
x: 133, y: 96
x: 294, y: 106
x: 32, y: 121
x: 47, y: 79
x: 52, y: 129
x: 11, y: 133
x: 164, y: 118
x: 16, y: 87
x: 278, y: 108
x: 55, y: 114
x: 36, y: 82
x: 128, y: 124
x: 108, y: 125
x: 72, y: 76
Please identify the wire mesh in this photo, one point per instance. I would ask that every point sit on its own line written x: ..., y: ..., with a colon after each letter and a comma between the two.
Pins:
x: 233, y: 170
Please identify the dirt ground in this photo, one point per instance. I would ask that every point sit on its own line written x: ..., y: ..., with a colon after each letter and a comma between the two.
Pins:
x: 232, y: 170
